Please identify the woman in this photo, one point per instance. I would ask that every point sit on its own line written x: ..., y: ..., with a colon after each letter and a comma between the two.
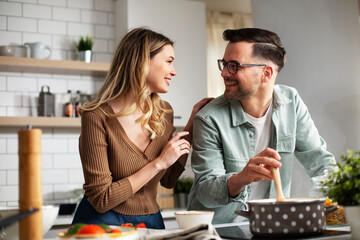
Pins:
x: 126, y: 144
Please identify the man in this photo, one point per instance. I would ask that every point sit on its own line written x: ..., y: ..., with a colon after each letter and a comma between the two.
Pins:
x: 254, y: 126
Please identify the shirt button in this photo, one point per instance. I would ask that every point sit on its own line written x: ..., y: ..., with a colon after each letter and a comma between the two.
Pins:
x: 251, y: 134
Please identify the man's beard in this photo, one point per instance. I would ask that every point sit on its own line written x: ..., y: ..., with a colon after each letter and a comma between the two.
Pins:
x: 240, y: 93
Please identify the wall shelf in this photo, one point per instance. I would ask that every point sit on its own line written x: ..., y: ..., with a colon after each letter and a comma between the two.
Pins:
x: 40, y: 122
x: 34, y: 65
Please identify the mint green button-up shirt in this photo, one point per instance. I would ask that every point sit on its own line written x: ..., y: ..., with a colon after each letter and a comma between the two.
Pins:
x: 224, y: 141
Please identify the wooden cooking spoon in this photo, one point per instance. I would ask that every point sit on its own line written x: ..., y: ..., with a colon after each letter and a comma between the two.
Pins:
x: 279, y: 193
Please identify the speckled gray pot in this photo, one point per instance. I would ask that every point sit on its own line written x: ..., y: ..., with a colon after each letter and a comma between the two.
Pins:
x: 301, y: 216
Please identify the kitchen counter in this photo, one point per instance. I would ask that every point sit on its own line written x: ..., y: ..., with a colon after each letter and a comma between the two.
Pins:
x: 241, y: 231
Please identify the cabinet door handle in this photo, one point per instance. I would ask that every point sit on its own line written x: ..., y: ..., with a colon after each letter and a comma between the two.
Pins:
x: 177, y: 117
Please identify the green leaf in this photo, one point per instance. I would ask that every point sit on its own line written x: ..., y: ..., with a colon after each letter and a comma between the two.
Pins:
x: 183, y: 185
x: 344, y: 184
x: 85, y: 43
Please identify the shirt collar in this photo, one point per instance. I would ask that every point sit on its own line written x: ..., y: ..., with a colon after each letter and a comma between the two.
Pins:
x: 238, y: 115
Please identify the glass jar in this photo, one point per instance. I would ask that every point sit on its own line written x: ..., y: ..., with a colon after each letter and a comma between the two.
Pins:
x: 317, y: 189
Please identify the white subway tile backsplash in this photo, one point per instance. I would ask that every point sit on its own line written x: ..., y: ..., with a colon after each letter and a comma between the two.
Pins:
x: 47, y: 161
x: 104, y: 5
x: 100, y: 45
x: 58, y: 24
x: 3, y: 22
x: 2, y: 146
x: 22, y: 24
x: 106, y: 32
x: 9, y: 161
x: 2, y: 111
x: 52, y: 176
x: 59, y: 55
x: 10, y: 38
x: 98, y: 85
x: 3, y: 178
x: 9, y: 132
x: 111, y: 19
x: 85, y: 86
x: 9, y: 193
x: 24, y: 1
x: 73, y: 145
x: 54, y: 145
x: 67, y: 77
x: 112, y: 45
x: 66, y: 191
x: 84, y: 4
x: 30, y: 100
x: 13, y: 99
x: 47, y: 192
x: 67, y: 161
x: 19, y: 112
x: 36, y: 11
x: 61, y: 3
x: 104, y: 57
x: 12, y: 177
x: 80, y: 29
x: 52, y: 27
x: 37, y: 37
x: 66, y: 14
x: 68, y: 133
x: 2, y: 83
x: 93, y: 17
x: 20, y: 84
x: 76, y: 176
x: 64, y: 42
x: 56, y: 85
x: 10, y: 9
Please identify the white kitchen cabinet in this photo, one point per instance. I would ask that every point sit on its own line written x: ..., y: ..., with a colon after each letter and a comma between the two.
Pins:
x: 184, y: 22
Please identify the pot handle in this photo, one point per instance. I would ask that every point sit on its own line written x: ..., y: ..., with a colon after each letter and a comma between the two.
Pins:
x: 243, y: 213
x: 331, y: 209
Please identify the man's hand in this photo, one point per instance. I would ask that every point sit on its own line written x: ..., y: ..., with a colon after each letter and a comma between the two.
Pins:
x: 257, y: 169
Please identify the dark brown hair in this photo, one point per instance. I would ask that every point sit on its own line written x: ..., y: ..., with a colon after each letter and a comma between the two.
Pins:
x: 267, y: 44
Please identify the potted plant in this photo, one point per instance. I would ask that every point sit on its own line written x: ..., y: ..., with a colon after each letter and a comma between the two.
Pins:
x: 343, y: 186
x: 84, y: 47
x: 181, y: 192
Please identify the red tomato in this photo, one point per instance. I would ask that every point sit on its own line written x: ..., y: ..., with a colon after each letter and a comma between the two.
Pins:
x: 115, y: 230
x: 140, y: 225
x: 91, y: 229
x: 127, y: 225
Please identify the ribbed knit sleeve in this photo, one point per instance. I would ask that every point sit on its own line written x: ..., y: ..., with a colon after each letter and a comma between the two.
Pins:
x: 103, y: 192
x: 173, y: 173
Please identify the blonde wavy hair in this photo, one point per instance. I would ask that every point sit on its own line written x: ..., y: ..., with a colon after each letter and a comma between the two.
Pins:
x: 127, y: 75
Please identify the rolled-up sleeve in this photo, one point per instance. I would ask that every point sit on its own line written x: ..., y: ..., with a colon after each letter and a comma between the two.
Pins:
x: 310, y: 146
x: 208, y: 165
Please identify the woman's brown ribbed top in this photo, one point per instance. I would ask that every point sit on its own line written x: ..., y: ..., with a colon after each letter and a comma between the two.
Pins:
x: 108, y: 157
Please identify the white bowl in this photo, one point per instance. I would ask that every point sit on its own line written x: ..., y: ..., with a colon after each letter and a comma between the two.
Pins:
x: 7, y: 51
x: 187, y: 219
x: 49, y: 214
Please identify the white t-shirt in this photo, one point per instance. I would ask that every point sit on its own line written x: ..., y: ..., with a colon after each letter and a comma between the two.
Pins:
x: 260, y: 190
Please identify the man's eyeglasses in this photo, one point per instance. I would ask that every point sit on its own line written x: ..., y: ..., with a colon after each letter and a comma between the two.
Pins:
x: 234, y: 66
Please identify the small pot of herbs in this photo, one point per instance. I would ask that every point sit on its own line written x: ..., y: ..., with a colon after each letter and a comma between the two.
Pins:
x: 85, y: 43
x: 343, y: 186
x: 183, y: 185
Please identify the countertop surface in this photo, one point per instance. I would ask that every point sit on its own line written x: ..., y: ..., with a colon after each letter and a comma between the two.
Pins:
x: 240, y: 231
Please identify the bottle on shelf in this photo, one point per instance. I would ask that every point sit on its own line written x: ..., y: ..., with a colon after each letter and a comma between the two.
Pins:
x: 78, y: 103
x: 70, y: 106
